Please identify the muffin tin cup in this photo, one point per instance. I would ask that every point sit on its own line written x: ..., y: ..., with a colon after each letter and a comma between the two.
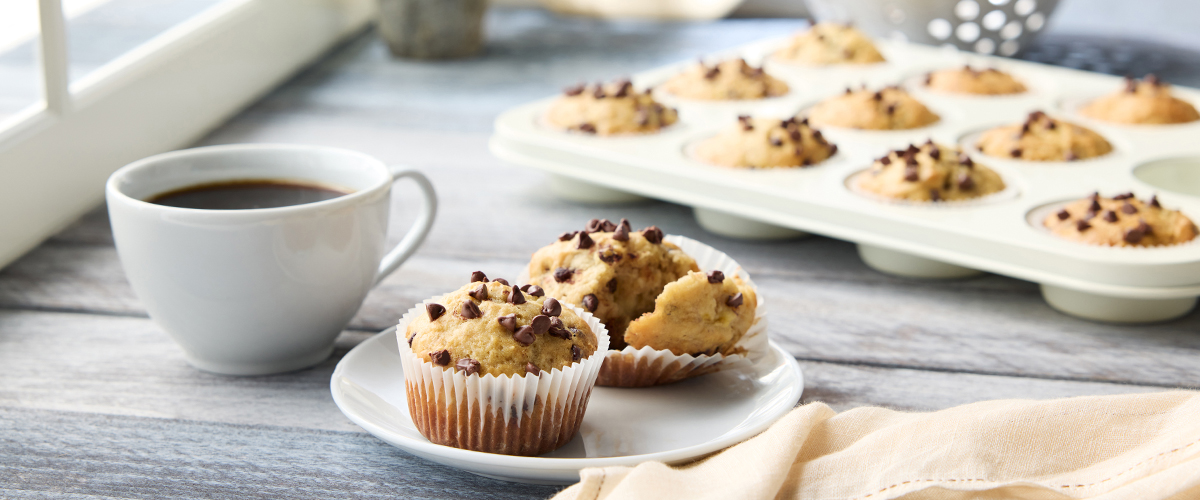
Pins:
x: 644, y: 367
x: 511, y: 415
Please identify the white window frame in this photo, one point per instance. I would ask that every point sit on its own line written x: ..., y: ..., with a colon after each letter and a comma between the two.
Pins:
x: 162, y: 95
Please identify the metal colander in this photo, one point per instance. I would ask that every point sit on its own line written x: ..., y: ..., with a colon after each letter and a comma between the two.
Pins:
x: 984, y: 26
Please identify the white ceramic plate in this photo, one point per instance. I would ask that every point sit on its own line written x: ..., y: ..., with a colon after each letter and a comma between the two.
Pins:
x: 673, y: 424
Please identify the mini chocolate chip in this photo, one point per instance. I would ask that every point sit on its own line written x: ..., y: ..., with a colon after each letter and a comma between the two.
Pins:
x: 886, y: 160
x: 567, y: 235
x: 775, y: 141
x: 1095, y: 206
x: 576, y: 90
x: 734, y: 300
x: 533, y: 290
x: 625, y: 223
x: 935, y: 153
x: 562, y: 274
x: 744, y: 120
x: 612, y: 285
x: 912, y: 174
x: 716, y: 276
x: 1128, y: 208
x: 480, y: 292
x: 540, y: 324
x: 1025, y: 128
x: 1144, y: 227
x: 877, y: 96
x: 1134, y: 235
x: 1070, y: 156
x: 1015, y: 153
x: 469, y: 310
x: 557, y: 329
x: 891, y: 109
x: 816, y: 135
x: 965, y: 182
x: 621, y: 234
x: 593, y: 226
x: 411, y: 337
x: 609, y: 256
x: 551, y: 307
x: 653, y: 234
x: 434, y: 311
x: 1050, y: 124
x: 440, y: 358
x: 478, y: 276
x: 934, y: 195
x: 501, y: 281
x: 585, y: 242
x: 468, y: 366
x: 598, y: 93
x: 795, y: 135
x: 712, y: 73
x: 576, y: 353
x: 532, y: 369
x: 587, y: 127
x: 623, y: 88
x: 1154, y: 199
x: 1110, y: 216
x: 832, y: 150
x: 1082, y: 226
x: 524, y: 336
x: 508, y: 321
x: 1123, y: 196
x: 590, y: 302
x: 965, y: 160
x: 607, y: 226
x: 1063, y: 214
x: 641, y: 117
x: 515, y: 297
x: 848, y: 91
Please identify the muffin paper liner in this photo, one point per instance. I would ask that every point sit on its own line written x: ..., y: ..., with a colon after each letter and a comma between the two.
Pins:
x: 511, y: 415
x: 631, y: 367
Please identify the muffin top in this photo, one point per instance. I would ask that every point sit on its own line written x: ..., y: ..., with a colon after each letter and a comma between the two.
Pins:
x: 966, y: 80
x: 830, y: 43
x: 766, y: 143
x: 1042, y: 138
x: 1120, y: 221
x: 727, y: 80
x: 610, y: 271
x: 700, y: 313
x: 1141, y: 103
x: 492, y: 328
x: 609, y: 109
x: 890, y: 108
x: 931, y: 172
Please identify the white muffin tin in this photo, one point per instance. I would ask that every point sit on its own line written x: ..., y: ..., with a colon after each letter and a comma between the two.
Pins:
x: 945, y: 240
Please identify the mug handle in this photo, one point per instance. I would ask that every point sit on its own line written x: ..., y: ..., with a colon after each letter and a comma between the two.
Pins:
x: 416, y: 235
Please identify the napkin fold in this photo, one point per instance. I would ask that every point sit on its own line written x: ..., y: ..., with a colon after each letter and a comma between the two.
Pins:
x: 1140, y: 446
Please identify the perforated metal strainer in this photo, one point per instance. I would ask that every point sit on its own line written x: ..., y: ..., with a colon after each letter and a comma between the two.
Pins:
x: 984, y: 26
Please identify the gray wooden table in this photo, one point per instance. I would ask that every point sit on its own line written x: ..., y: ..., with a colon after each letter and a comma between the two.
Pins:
x: 96, y: 401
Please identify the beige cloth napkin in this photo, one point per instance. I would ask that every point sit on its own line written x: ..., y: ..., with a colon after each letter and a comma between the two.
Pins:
x: 1142, y: 446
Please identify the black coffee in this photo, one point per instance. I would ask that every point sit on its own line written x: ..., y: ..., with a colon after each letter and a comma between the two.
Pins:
x: 246, y: 194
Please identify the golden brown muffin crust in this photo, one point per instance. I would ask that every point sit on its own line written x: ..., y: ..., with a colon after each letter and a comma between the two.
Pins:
x: 830, y: 43
x: 611, y: 109
x: 966, y: 80
x: 727, y: 80
x: 1142, y: 103
x: 890, y: 108
x: 931, y: 172
x: 497, y: 347
x: 766, y: 143
x: 1042, y: 138
x: 1120, y: 221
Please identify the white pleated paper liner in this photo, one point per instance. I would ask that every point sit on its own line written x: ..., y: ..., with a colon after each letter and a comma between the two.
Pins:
x: 511, y: 415
x: 631, y: 367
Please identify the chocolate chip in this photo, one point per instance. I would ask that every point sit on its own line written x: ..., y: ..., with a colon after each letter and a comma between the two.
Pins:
x: 1063, y: 214
x: 562, y: 274
x: 551, y: 307
x: 621, y: 234
x: 625, y: 223
x: 576, y: 353
x: 480, y: 292
x: 1154, y: 199
x: 965, y: 160
x: 587, y: 127
x: 609, y: 255
x: 1123, y: 196
x: 508, y: 321
x: 641, y: 117
x: 716, y: 276
x: 734, y: 300
x: 1144, y: 227
x: 744, y: 120
x: 712, y: 73
x: 532, y: 369
x: 1135, y: 235
x: 478, y: 276
x: 598, y: 93
x: 912, y: 174
x: 411, y: 337
x: 567, y: 236
x: 468, y: 366
x: 434, y: 311
x: 612, y: 285
x: 1015, y: 153
x: 1025, y: 128
x: 1130, y: 84
x: 623, y: 88
x: 572, y: 91
x: 934, y: 195
x: 515, y: 297
x: 775, y: 141
x: 653, y: 234
x: 585, y: 242
x: 540, y: 324
x: 928, y: 79
x: 469, y: 310
x: 1095, y: 206
x: 833, y: 150
x: 795, y: 135
x: 533, y: 290
x: 1070, y: 156
x: 501, y: 281
x: 593, y: 226
x: 886, y: 160
x: 965, y: 182
x: 1050, y: 124
x: 1110, y: 216
x: 607, y: 226
x: 935, y: 153
x: 524, y: 335
x: 891, y: 109
x: 877, y: 96
x: 558, y: 330
x: 1128, y: 208
x: 440, y: 358
x: 1082, y: 226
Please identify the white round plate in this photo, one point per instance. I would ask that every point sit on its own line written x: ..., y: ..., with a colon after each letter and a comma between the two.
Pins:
x: 673, y: 423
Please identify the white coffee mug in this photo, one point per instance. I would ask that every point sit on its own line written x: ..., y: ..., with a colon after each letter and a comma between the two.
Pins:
x: 258, y: 291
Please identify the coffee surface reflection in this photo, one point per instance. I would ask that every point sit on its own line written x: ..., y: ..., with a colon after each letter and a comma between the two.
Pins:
x: 245, y: 194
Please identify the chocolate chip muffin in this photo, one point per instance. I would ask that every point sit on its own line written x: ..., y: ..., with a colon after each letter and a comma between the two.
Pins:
x: 611, y: 271
x: 1042, y: 138
x: 966, y: 80
x: 698, y: 314
x: 766, y: 143
x: 830, y: 43
x: 1141, y: 103
x: 888, y: 109
x: 611, y: 109
x: 1121, y: 221
x: 931, y: 172
x: 493, y: 328
x: 727, y: 80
